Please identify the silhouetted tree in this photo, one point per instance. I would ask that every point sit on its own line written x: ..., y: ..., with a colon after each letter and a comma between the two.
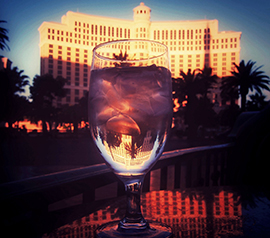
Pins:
x: 257, y: 102
x: 246, y: 77
x: 13, y: 106
x: 3, y: 37
x: 229, y: 90
x: 74, y: 114
x: 207, y: 80
x: 191, y: 91
x: 44, y: 90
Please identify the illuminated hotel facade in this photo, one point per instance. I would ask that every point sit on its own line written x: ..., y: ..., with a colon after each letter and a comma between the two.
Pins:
x: 65, y: 48
x: 187, y: 216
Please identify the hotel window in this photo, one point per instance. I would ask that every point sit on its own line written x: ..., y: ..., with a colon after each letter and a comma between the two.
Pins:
x: 100, y: 30
x: 163, y: 35
x: 96, y: 29
x: 112, y: 31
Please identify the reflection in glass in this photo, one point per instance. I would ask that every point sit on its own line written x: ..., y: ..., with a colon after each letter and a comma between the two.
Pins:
x: 190, y: 213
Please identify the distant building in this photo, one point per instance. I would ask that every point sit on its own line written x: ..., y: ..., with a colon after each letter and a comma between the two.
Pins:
x: 65, y: 48
x: 4, y: 62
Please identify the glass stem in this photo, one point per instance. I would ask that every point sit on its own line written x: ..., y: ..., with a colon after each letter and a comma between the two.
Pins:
x: 133, y: 218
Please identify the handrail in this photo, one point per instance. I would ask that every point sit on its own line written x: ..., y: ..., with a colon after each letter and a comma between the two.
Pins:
x: 175, y: 153
x: 38, y: 183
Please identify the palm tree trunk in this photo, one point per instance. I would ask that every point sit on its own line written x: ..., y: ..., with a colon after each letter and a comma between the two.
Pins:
x: 44, y: 127
x: 243, y: 102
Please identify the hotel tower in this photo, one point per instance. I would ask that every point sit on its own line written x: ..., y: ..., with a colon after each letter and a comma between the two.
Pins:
x: 65, y: 48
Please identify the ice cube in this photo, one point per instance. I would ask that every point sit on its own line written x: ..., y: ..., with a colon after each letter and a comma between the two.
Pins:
x: 98, y: 103
x: 109, y: 74
x: 103, y: 116
x: 125, y: 85
x: 123, y: 124
x: 140, y: 103
x: 117, y: 102
x: 160, y: 105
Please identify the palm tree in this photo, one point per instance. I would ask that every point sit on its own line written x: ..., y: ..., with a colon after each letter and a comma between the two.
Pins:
x: 3, y: 37
x: 44, y: 90
x: 132, y: 148
x: 191, y: 91
x: 207, y: 80
x: 257, y: 102
x: 13, y: 82
x: 247, y: 77
x: 187, y: 87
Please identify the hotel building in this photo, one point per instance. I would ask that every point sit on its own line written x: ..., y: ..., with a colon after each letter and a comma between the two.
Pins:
x: 186, y: 212
x: 65, y: 48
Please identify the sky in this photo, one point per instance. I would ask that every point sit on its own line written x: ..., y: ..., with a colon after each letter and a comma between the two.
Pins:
x: 23, y: 18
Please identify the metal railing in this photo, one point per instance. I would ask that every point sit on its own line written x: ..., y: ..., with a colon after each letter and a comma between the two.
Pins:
x: 39, y: 200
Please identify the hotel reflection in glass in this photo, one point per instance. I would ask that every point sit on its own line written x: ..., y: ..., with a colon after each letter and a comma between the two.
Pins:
x: 65, y: 48
x: 191, y: 213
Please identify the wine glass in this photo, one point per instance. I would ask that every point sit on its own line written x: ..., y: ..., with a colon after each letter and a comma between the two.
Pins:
x: 130, y: 112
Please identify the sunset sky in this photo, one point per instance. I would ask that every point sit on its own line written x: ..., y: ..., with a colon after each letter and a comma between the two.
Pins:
x: 23, y: 18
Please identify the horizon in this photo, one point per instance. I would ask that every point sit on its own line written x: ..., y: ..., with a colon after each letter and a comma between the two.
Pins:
x: 252, y: 19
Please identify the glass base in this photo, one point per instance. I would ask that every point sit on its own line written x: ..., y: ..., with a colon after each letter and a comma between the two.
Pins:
x: 156, y: 229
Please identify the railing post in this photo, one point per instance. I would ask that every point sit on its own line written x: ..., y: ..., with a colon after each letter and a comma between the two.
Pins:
x: 146, y: 183
x: 177, y: 175
x: 163, y: 178
x: 207, y: 170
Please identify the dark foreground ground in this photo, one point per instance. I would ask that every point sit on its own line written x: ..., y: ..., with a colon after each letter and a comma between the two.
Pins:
x: 24, y: 156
